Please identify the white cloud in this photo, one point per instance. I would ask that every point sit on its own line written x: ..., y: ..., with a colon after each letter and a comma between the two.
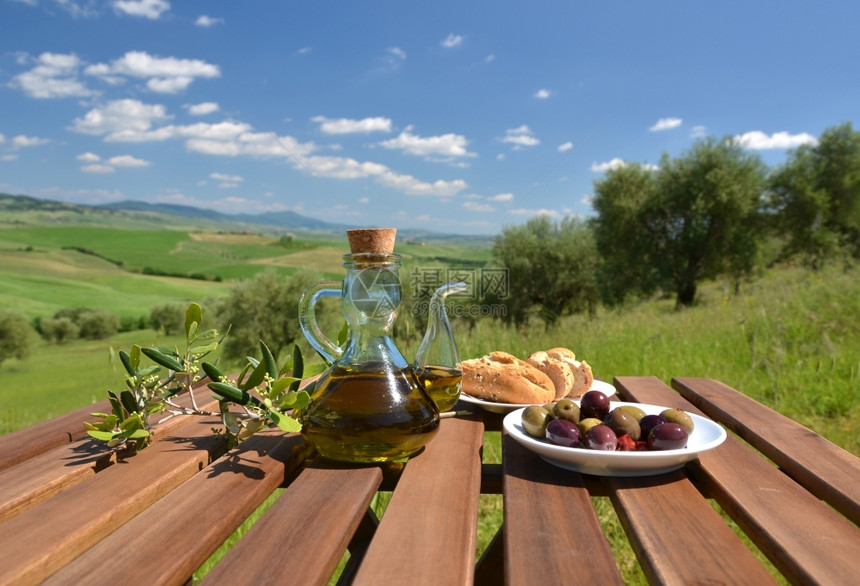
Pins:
x: 202, y: 109
x: 563, y: 148
x: 397, y: 52
x: 207, y: 21
x: 350, y: 126
x: 363, y: 200
x: 120, y: 119
x: 699, y: 132
x: 163, y: 74
x: 22, y: 141
x: 758, y: 140
x: 543, y: 94
x: 128, y: 161
x: 225, y: 177
x: 666, y: 124
x: 446, y: 145
x: 8, y: 157
x: 152, y: 9
x: 89, y: 157
x: 54, y: 76
x: 537, y: 212
x: 474, y: 206
x: 451, y: 41
x: 520, y: 137
x: 615, y: 163
x: 304, y: 50
x: 502, y: 197
x: 97, y: 168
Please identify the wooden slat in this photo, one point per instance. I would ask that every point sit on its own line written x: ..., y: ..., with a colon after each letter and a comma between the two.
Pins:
x: 825, y: 469
x: 311, y: 522
x: 48, y: 473
x: 24, y: 444
x: 551, y: 529
x: 678, y: 537
x: 428, y: 532
x: 806, y: 540
x: 168, y: 542
x: 39, y: 541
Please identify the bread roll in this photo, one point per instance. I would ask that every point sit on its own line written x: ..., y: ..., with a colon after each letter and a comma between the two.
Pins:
x: 582, y: 375
x: 559, y: 372
x: 503, y: 378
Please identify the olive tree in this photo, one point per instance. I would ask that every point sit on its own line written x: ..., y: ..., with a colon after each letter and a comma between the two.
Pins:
x: 696, y: 217
x: 551, y: 269
x: 168, y: 318
x: 16, y: 336
x: 815, y: 196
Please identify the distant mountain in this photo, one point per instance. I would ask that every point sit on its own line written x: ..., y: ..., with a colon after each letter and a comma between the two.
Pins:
x: 138, y: 212
x: 282, y: 220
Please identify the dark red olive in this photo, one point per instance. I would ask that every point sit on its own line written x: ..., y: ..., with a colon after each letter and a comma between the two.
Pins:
x: 668, y: 436
x: 562, y: 433
x: 649, y: 422
x: 593, y: 404
x: 601, y: 437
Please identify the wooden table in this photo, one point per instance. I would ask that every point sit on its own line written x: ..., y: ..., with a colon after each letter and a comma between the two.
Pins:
x: 69, y: 514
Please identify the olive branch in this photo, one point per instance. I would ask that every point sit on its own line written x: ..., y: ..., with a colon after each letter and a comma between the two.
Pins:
x: 264, y: 393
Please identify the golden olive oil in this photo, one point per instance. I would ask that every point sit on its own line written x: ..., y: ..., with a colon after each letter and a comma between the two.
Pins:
x: 377, y: 414
x: 442, y: 383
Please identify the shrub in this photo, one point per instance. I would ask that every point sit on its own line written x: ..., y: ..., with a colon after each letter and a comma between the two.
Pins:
x: 98, y: 324
x: 59, y: 330
x: 16, y: 336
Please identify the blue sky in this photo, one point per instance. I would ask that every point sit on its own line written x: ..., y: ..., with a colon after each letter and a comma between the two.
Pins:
x: 459, y: 117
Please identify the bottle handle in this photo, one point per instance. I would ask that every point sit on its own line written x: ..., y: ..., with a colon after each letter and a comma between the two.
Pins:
x: 308, y: 322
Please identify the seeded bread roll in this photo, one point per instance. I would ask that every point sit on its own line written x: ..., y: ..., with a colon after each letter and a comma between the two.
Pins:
x: 559, y: 372
x: 503, y: 378
x: 582, y: 375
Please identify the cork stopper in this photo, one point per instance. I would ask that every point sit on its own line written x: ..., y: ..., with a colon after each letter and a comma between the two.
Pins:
x: 372, y: 240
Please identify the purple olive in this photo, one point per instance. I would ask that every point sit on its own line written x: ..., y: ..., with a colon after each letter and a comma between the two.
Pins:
x: 601, y: 437
x: 668, y: 436
x: 594, y: 404
x: 562, y: 433
x: 649, y: 422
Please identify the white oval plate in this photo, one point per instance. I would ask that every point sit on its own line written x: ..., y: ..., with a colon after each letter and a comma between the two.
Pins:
x: 706, y: 435
x: 598, y: 385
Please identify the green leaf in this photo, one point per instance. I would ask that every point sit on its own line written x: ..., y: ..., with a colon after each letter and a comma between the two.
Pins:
x: 285, y: 423
x: 231, y: 393
x: 128, y: 401
x: 199, y: 351
x: 315, y: 369
x: 268, y: 360
x: 193, y: 318
x: 163, y: 359
x: 256, y: 377
x: 212, y: 371
x: 137, y: 434
x: 134, y: 357
x: 343, y: 334
x: 282, y: 383
x: 116, y: 405
x: 298, y: 366
x: 125, y: 358
x: 104, y: 436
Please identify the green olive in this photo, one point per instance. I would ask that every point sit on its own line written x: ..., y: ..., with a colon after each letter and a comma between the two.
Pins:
x: 567, y: 409
x: 680, y: 417
x: 535, y: 419
x: 623, y: 422
x: 551, y: 408
x: 587, y: 424
x: 635, y: 411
